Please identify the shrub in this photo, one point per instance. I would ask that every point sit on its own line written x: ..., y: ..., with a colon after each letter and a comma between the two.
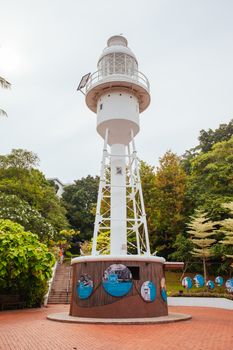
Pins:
x: 25, y: 263
x: 17, y: 210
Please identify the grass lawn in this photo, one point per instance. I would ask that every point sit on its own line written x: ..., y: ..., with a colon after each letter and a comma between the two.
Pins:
x: 174, y: 285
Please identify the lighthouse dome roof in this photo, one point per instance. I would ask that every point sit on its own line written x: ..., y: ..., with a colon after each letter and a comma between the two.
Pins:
x: 117, y: 44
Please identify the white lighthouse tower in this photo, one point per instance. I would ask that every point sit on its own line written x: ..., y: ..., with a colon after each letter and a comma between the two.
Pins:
x: 124, y: 283
x: 124, y: 280
x: 117, y: 92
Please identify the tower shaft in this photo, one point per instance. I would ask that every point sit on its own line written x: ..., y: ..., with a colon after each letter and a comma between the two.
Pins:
x: 118, y: 237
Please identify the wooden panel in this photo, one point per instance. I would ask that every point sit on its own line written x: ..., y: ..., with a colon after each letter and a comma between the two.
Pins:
x: 101, y: 304
x: 173, y: 265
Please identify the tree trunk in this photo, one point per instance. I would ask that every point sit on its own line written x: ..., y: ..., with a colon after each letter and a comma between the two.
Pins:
x: 184, y: 270
x: 204, y: 268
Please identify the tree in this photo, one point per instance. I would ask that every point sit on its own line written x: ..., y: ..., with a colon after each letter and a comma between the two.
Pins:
x: 164, y: 194
x: 19, y: 211
x: 227, y: 229
x: 208, y: 138
x: 103, y: 244
x: 19, y: 177
x: 19, y: 158
x: 210, y: 182
x: 79, y: 200
x: 25, y: 263
x: 201, y: 228
x: 170, y: 181
x: 183, y: 247
x: 65, y: 238
x: 147, y: 174
x: 5, y: 85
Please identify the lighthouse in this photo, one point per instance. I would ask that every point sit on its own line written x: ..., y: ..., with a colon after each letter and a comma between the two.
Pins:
x: 118, y: 92
x: 123, y: 279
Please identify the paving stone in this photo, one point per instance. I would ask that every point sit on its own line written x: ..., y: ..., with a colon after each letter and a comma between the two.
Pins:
x: 209, y: 328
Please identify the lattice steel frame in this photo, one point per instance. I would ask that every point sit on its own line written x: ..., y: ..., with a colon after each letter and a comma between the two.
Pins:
x: 137, y: 231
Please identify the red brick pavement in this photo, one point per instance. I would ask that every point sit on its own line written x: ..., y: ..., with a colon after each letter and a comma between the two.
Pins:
x: 29, y: 330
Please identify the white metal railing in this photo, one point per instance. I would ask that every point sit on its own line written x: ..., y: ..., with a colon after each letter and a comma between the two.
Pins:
x: 98, y: 77
x: 46, y: 297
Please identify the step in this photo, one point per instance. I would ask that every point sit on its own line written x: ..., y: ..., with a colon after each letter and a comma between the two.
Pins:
x: 62, y: 279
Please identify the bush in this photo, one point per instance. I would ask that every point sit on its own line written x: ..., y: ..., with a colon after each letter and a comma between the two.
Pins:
x: 25, y: 264
x: 17, y: 210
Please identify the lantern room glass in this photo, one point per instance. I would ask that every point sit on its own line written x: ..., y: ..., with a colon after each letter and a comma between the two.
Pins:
x: 117, y: 63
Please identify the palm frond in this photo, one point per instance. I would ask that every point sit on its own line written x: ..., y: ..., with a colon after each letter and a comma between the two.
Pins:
x: 3, y: 113
x: 4, y: 83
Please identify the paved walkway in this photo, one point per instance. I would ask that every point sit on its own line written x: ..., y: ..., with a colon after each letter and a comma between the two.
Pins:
x: 30, y: 330
x: 220, y: 303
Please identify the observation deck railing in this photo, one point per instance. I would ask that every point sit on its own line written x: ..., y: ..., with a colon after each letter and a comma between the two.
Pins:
x: 136, y: 77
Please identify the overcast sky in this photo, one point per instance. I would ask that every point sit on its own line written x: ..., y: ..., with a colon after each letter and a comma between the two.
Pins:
x: 184, y: 47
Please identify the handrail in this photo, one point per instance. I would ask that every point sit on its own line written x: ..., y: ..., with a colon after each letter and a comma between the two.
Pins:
x: 98, y: 77
x: 46, y: 297
x: 68, y: 286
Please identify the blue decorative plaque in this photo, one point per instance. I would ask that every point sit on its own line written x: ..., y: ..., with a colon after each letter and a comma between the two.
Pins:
x: 199, y: 281
x: 164, y: 294
x: 117, y: 280
x: 148, y: 291
x: 210, y: 284
x: 229, y: 285
x: 219, y: 281
x: 187, y: 282
x: 84, y: 286
x: 163, y: 289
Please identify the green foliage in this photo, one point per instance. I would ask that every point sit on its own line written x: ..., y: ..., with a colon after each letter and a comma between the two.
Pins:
x: 147, y: 174
x: 25, y: 263
x: 210, y: 182
x: 206, y: 141
x: 66, y: 237
x: 200, y: 229
x: 226, y: 227
x: 85, y: 248
x: 170, y: 184
x: 17, y: 210
x: 183, y: 247
x: 208, y: 138
x: 164, y: 192
x: 18, y: 177
x: 19, y: 158
x: 103, y: 244
x: 79, y: 200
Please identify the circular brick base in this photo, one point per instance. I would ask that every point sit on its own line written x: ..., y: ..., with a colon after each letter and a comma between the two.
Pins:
x: 171, y: 317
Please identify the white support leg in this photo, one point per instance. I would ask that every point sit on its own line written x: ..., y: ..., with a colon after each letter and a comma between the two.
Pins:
x: 98, y: 218
x: 141, y: 196
x: 133, y: 193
